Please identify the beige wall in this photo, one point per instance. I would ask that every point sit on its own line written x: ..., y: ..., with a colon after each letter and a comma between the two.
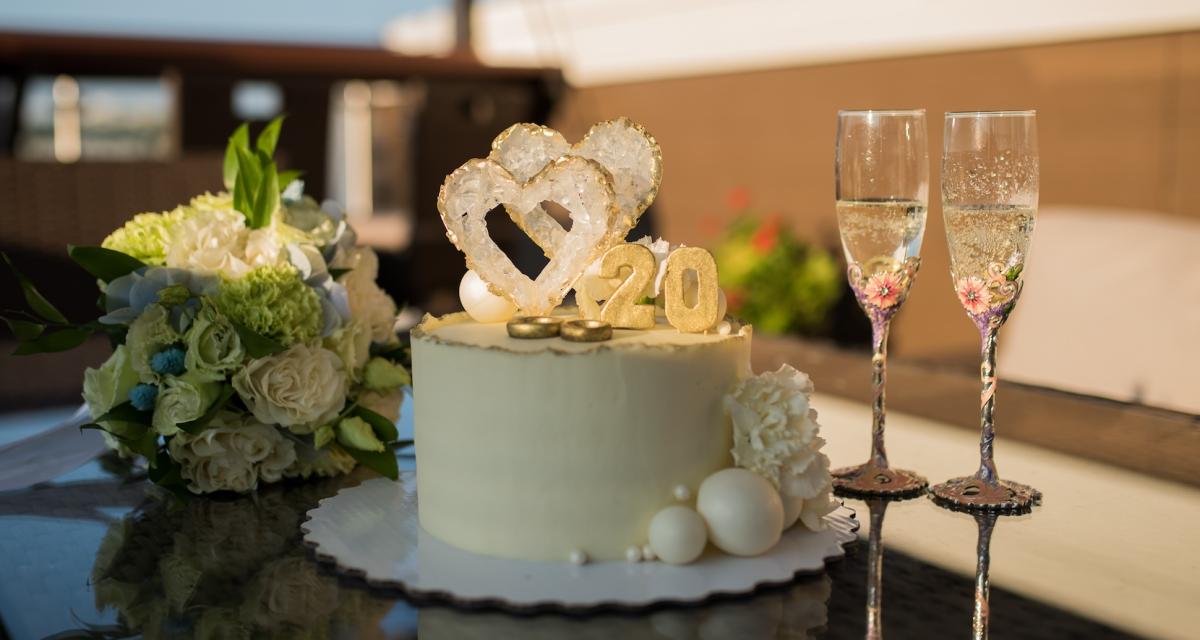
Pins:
x: 1119, y: 125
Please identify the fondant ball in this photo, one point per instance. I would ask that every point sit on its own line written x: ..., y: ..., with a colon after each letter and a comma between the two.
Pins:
x: 743, y: 511
x: 677, y: 535
x: 483, y: 305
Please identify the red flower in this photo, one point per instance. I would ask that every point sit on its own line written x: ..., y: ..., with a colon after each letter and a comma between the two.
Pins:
x: 738, y: 198
x: 766, y: 236
x: 734, y: 298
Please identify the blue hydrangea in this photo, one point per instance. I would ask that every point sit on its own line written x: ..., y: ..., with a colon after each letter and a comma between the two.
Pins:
x: 168, y: 362
x: 142, y: 396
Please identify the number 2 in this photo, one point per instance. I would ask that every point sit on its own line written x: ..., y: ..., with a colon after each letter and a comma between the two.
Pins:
x: 622, y: 310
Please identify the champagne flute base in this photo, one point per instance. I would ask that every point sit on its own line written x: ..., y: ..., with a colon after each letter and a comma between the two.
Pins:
x: 870, y: 479
x: 970, y: 493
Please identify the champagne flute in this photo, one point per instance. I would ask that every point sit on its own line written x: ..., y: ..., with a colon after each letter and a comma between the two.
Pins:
x: 882, y: 184
x: 989, y: 200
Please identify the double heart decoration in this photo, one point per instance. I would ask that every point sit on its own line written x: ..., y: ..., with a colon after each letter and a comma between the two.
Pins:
x: 604, y: 182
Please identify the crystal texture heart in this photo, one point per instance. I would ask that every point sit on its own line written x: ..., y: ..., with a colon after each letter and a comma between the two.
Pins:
x: 581, y: 186
x: 622, y: 147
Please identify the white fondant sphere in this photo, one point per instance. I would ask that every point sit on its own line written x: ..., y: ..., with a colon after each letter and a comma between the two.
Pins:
x: 648, y: 553
x: 578, y: 557
x: 483, y: 305
x: 743, y: 511
x: 791, y: 510
x: 633, y: 554
x: 682, y: 493
x: 677, y: 535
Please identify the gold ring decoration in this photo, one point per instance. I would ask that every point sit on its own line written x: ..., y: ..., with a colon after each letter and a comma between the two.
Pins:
x: 586, y: 331
x: 533, y: 327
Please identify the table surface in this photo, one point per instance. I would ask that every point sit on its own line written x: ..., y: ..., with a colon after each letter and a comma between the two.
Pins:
x: 1110, y: 554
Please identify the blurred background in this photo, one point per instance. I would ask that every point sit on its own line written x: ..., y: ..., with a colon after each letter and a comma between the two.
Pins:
x: 108, y: 109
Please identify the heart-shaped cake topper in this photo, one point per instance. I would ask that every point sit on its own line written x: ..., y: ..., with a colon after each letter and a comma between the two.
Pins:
x: 579, y: 185
x: 622, y: 147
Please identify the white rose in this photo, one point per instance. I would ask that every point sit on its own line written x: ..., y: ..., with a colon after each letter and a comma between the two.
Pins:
x: 302, y: 388
x: 352, y: 343
x: 147, y: 335
x: 212, y: 241
x: 289, y: 594
x: 385, y: 404
x: 182, y: 399
x: 232, y: 456
x: 775, y: 432
x: 368, y: 303
x: 264, y: 247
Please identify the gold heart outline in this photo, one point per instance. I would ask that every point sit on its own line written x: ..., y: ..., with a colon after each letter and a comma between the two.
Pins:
x: 504, y: 189
x: 543, y: 229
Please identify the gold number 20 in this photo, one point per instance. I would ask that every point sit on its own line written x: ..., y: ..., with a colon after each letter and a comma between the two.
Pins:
x: 622, y: 309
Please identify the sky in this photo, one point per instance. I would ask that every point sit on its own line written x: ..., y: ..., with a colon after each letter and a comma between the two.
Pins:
x: 348, y: 22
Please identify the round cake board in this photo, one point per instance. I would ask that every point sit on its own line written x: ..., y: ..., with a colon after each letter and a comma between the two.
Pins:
x: 371, y: 531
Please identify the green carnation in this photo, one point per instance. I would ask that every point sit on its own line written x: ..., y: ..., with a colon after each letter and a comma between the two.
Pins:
x: 148, y: 235
x: 382, y: 374
x: 354, y: 432
x: 214, y: 349
x: 272, y: 301
x: 148, y: 334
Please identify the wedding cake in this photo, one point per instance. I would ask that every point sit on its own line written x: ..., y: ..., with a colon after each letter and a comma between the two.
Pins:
x: 628, y: 427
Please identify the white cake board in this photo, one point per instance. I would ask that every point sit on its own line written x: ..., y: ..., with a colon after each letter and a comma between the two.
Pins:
x: 371, y: 531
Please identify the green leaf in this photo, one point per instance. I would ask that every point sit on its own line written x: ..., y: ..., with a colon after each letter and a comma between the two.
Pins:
x: 381, y: 462
x: 384, y: 429
x: 256, y: 344
x: 249, y: 166
x: 62, y: 340
x: 1014, y: 272
x: 199, y: 424
x: 125, y: 412
x: 269, y: 136
x: 337, y: 273
x: 105, y: 264
x: 288, y: 177
x: 33, y: 297
x: 267, y: 199
x: 165, y: 471
x: 146, y: 445
x: 241, y: 196
x: 24, y: 330
x: 239, y: 140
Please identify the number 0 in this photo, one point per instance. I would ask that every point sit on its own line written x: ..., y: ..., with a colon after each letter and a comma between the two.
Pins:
x: 703, y: 314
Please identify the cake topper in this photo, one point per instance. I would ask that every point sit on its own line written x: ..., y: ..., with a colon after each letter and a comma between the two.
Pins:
x: 605, y: 182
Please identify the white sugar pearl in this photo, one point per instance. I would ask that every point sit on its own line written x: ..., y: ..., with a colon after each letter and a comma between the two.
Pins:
x: 677, y: 535
x: 633, y: 554
x: 578, y: 557
x: 482, y: 305
x: 743, y: 511
x: 648, y: 553
x: 682, y: 493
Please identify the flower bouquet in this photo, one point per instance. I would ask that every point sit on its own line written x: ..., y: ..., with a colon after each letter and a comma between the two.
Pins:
x: 251, y: 342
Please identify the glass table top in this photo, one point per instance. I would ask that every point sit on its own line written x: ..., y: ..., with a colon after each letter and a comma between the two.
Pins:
x: 96, y: 553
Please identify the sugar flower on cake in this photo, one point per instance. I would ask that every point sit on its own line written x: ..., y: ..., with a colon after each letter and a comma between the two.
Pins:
x: 883, y: 289
x: 973, y: 294
x: 251, y: 340
x: 776, y: 435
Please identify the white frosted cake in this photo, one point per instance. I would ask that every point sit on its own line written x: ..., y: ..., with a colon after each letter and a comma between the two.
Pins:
x: 629, y: 427
x: 537, y: 448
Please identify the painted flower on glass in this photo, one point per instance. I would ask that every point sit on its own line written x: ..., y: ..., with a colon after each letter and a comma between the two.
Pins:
x: 883, y: 289
x: 973, y: 294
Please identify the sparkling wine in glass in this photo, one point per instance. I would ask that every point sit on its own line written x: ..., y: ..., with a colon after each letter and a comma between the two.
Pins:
x: 882, y: 184
x: 989, y: 200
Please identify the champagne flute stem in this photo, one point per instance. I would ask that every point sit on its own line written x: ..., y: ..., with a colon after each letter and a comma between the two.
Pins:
x: 987, y: 407
x: 875, y: 570
x: 979, y: 622
x: 879, y: 339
